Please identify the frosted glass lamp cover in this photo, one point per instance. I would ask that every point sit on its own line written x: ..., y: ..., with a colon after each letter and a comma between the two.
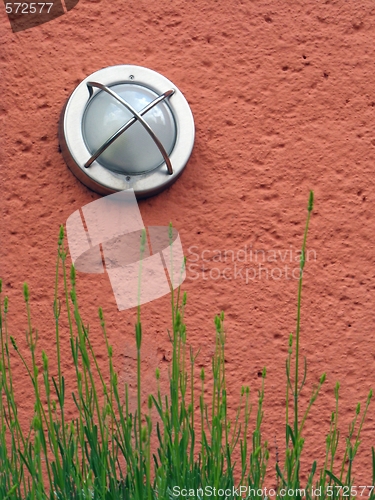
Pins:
x: 135, y: 151
x: 126, y: 127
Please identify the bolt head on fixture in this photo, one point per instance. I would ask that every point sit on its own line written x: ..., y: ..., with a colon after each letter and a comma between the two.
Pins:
x: 126, y: 127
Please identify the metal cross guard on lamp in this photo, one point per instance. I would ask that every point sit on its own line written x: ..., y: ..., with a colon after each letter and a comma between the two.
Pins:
x: 137, y: 116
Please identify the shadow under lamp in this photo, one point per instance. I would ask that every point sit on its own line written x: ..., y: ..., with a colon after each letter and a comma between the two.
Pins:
x: 126, y: 127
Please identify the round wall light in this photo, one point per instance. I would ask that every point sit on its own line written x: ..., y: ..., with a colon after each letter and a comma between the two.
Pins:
x: 126, y: 127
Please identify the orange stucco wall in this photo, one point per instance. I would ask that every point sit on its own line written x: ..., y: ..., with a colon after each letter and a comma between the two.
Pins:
x: 283, y: 99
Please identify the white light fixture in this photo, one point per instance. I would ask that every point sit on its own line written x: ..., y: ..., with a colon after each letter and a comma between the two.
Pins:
x: 126, y: 127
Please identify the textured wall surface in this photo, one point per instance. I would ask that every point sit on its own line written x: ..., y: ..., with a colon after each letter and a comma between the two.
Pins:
x: 283, y: 99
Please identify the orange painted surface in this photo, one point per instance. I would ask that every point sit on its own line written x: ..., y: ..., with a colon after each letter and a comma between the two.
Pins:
x: 284, y: 102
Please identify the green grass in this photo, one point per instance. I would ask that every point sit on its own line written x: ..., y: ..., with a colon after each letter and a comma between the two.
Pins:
x: 186, y: 438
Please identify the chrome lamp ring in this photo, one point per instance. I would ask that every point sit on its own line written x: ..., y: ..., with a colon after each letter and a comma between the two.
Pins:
x: 90, y: 171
